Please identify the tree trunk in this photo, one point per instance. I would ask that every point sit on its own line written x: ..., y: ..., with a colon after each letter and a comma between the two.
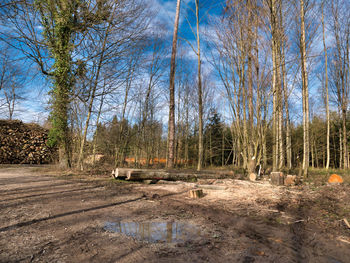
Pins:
x: 312, y: 153
x: 250, y: 130
x: 223, y: 148
x: 200, y: 100
x: 345, y: 138
x: 285, y: 93
x: 326, y: 87
x: 275, y: 125
x: 306, y: 154
x: 340, y: 149
x: 59, y: 30
x: 171, y: 125
x: 96, y: 132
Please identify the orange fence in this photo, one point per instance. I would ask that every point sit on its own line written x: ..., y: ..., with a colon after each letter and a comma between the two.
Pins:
x: 142, y: 161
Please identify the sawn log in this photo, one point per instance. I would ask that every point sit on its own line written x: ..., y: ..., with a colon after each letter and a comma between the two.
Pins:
x: 148, y: 174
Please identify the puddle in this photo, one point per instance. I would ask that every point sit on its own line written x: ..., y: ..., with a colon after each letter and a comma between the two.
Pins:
x: 154, y: 232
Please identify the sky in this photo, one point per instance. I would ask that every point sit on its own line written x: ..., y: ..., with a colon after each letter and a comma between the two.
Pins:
x: 35, y: 107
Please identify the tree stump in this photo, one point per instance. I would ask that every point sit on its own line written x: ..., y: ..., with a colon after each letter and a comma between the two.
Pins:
x: 290, y: 180
x: 196, y: 193
x: 277, y: 178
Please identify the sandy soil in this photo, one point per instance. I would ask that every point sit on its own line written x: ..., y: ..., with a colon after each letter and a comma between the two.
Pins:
x: 45, y: 217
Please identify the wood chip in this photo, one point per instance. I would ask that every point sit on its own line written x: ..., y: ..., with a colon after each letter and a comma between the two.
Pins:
x: 346, y: 222
x: 343, y: 239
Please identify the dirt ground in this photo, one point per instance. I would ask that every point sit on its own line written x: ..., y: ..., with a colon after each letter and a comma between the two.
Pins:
x: 45, y: 217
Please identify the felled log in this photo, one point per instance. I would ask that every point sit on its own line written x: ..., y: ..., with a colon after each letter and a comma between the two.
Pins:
x: 140, y: 175
x: 277, y: 178
x: 148, y: 174
x: 196, y: 193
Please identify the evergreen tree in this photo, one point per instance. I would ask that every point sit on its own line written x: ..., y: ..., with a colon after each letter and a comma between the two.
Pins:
x: 213, y: 139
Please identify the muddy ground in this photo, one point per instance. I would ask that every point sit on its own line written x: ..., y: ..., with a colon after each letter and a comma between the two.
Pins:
x: 45, y: 217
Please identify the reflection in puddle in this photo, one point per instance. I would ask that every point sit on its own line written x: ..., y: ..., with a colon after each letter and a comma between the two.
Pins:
x: 153, y: 232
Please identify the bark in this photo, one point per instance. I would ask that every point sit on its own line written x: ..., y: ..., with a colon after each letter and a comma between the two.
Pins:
x: 171, y: 125
x: 96, y: 132
x: 284, y: 90
x: 250, y: 130
x: 179, y: 128
x: 244, y: 136
x: 187, y: 129
x: 340, y: 149
x: 345, y: 137
x: 326, y: 87
x: 223, y: 148
x: 287, y: 121
x: 200, y: 100
x: 312, y: 152
x: 305, y: 91
x: 275, y: 125
x: 172, y: 175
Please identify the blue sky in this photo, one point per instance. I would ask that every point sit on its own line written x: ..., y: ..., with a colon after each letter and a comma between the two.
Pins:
x: 35, y: 107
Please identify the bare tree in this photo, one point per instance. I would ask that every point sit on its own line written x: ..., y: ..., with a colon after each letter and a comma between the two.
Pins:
x: 12, y: 78
x: 341, y: 32
x: 305, y: 89
x: 326, y: 84
x: 171, y: 125
x: 107, y: 42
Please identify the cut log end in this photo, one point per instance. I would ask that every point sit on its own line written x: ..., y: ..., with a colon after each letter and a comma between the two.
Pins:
x: 119, y: 173
x: 252, y: 177
x: 196, y: 193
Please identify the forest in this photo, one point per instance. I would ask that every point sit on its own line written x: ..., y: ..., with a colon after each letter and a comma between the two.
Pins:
x: 227, y: 83
x: 174, y: 131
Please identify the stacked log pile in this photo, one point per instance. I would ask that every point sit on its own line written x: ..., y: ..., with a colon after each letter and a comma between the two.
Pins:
x: 24, y: 144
